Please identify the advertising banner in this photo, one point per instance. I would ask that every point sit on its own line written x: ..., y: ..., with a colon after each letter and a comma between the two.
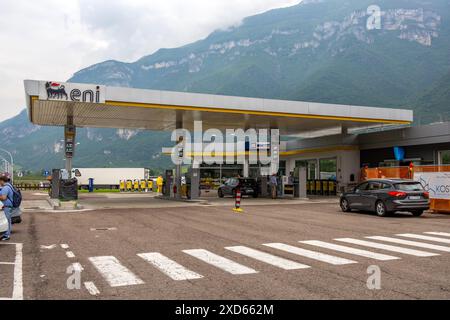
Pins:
x: 436, y: 183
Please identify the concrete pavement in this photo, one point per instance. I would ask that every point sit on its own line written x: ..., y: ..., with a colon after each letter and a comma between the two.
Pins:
x: 284, y: 251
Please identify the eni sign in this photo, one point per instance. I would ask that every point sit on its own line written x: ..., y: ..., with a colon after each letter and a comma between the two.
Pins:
x: 65, y: 91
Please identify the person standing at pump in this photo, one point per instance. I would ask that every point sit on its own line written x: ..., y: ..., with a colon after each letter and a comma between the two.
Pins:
x: 159, y: 183
x: 6, y: 196
x: 274, y: 185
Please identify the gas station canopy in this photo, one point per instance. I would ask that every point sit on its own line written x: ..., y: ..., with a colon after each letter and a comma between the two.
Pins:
x: 90, y: 105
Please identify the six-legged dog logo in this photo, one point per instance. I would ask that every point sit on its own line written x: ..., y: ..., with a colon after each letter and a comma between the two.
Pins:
x: 55, y: 90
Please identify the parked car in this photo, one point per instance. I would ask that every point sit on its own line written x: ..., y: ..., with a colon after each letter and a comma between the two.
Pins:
x: 247, y: 186
x: 3, y: 221
x: 385, y: 196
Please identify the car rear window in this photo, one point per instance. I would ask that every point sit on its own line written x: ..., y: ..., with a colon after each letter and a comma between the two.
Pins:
x: 409, y: 186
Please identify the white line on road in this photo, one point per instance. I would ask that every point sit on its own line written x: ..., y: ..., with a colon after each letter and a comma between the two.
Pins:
x: 418, y: 236
x: 91, y: 288
x: 443, y: 234
x: 357, y: 252
x: 310, y: 254
x: 412, y: 243
x: 18, y: 280
x: 8, y: 263
x: 220, y: 262
x: 18, y: 276
x: 169, y: 267
x: 116, y: 274
x: 371, y: 244
x: 65, y: 246
x: 70, y: 254
x: 77, y: 267
x: 268, y: 258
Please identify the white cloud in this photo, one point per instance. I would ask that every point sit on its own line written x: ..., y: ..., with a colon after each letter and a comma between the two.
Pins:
x: 52, y: 39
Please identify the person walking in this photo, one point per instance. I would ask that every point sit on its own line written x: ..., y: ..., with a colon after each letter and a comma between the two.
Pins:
x: 159, y: 184
x: 274, y: 185
x: 6, y: 196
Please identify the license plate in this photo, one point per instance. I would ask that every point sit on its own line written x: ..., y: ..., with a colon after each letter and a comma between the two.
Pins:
x: 415, y: 197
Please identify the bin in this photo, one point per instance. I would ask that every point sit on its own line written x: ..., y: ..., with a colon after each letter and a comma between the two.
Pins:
x: 312, y: 184
x: 332, y: 188
x: 129, y: 185
x: 324, y: 187
x: 122, y: 185
x: 143, y: 185
x: 318, y: 187
x: 68, y: 189
x: 91, y: 185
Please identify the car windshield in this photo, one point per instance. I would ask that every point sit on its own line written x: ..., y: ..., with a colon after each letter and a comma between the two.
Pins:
x: 410, y: 186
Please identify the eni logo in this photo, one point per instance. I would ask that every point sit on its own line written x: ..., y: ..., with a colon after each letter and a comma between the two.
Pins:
x: 57, y: 91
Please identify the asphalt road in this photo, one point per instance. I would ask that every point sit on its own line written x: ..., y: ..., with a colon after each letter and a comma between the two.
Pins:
x: 187, y: 246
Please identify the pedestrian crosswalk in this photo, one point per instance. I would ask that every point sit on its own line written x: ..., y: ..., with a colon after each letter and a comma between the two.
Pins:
x: 169, y: 267
x: 277, y: 255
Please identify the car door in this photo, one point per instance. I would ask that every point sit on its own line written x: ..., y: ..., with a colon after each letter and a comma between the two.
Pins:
x: 355, y: 198
x: 370, y: 195
x: 226, y: 187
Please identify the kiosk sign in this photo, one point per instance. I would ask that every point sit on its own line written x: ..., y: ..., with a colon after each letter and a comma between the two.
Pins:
x: 436, y: 183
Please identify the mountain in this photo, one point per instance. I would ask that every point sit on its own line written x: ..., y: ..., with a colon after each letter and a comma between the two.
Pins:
x: 319, y: 50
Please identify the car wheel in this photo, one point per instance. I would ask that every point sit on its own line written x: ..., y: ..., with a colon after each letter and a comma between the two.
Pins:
x: 220, y: 193
x: 417, y: 213
x: 345, y: 206
x: 381, y: 209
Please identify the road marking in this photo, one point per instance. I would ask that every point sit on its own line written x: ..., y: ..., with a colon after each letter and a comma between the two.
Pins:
x: 77, y: 267
x: 412, y: 252
x: 310, y: 254
x: 443, y: 234
x: 412, y: 243
x: 65, y: 246
x: 8, y: 263
x: 116, y: 274
x: 418, y: 236
x: 169, y: 267
x: 91, y: 288
x: 70, y: 254
x: 18, y: 275
x: 50, y: 247
x: 220, y: 262
x: 357, y: 252
x: 268, y: 258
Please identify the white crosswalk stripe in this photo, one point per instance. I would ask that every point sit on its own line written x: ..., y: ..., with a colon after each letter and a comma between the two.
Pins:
x: 421, y: 237
x: 169, y: 267
x: 403, y: 250
x: 354, y: 251
x: 412, y: 243
x: 116, y: 274
x: 268, y: 258
x: 310, y: 254
x: 443, y: 234
x: 219, y: 262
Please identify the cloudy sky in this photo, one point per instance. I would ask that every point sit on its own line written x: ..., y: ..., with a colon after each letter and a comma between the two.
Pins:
x: 52, y: 39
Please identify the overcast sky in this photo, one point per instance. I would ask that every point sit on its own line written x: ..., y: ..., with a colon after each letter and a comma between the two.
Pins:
x: 52, y: 39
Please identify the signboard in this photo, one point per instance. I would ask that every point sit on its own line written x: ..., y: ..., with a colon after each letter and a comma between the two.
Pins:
x: 64, y: 91
x: 260, y: 146
x: 436, y: 183
x: 69, y: 139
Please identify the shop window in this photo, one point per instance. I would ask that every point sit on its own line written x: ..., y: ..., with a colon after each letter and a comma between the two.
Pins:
x: 328, y: 169
x: 444, y: 157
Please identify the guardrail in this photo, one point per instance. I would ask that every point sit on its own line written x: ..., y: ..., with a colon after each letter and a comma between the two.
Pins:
x: 32, y: 186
